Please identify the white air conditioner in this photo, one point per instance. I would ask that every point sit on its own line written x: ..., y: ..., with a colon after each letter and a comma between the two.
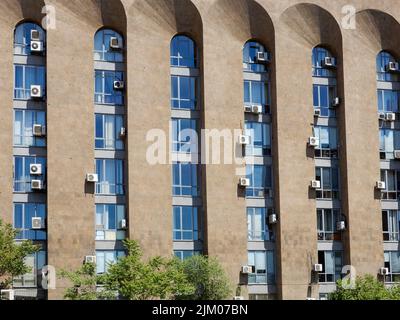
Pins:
x: 238, y: 298
x: 123, y: 224
x: 119, y: 85
x: 273, y: 219
x: 317, y: 267
x: 92, y: 177
x: 37, y: 223
x: 36, y: 91
x: 122, y: 132
x: 341, y: 225
x: 39, y: 130
x: 90, y: 259
x: 393, y: 67
x: 317, y: 112
x: 380, y: 185
x: 336, y: 102
x: 382, y: 116
x: 37, y: 46
x: 257, y: 109
x: 35, y: 35
x: 247, y: 269
x: 390, y: 116
x: 315, y: 184
x: 384, y: 271
x: 329, y: 62
x: 7, y: 294
x: 262, y: 56
x: 244, y: 140
x: 36, y: 185
x: 244, y: 182
x: 248, y: 108
x: 396, y: 154
x: 36, y: 169
x: 115, y: 44
x: 313, y: 142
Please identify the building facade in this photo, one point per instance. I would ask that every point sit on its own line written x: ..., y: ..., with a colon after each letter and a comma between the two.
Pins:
x: 303, y: 97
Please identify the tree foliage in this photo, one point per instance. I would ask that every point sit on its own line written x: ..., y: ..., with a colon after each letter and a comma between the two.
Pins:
x: 12, y: 255
x: 365, y: 288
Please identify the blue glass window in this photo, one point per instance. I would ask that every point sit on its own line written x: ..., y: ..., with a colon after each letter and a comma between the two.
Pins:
x: 329, y: 179
x: 183, y: 92
x: 263, y: 263
x: 389, y: 140
x: 35, y: 262
x: 382, y: 63
x: 250, y: 61
x: 256, y: 93
x: 109, y: 222
x: 186, y: 225
x: 108, y: 132
x: 102, y: 48
x: 388, y: 100
x: 184, y: 135
x: 111, y: 177
x: 392, y: 262
x: 104, y: 88
x: 23, y: 214
x: 184, y: 254
x: 106, y: 258
x: 22, y: 176
x: 323, y: 97
x: 331, y: 264
x: 327, y: 142
x: 26, y: 76
x: 258, y: 228
x: 260, y: 138
x: 23, y: 128
x: 22, y: 37
x: 185, y: 179
x: 260, y: 181
x: 183, y: 52
x: 319, y: 70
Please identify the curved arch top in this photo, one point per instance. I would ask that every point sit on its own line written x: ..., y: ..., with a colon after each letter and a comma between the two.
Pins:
x: 15, y: 12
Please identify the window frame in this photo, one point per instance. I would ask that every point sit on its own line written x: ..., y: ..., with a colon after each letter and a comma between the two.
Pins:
x: 23, y: 93
x: 194, y: 230
x: 331, y: 193
x: 262, y: 276
x: 267, y: 186
x: 324, y: 234
x: 38, y: 142
x: 102, y: 172
x: 178, y: 189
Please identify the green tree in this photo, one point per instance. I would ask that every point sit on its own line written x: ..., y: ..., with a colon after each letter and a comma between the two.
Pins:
x: 157, y: 278
x: 12, y: 255
x: 208, y: 277
x: 365, y: 288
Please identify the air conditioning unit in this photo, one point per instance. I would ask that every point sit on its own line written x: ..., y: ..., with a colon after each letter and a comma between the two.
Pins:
x: 341, y: 225
x: 262, y: 57
x: 119, y: 85
x: 329, y: 62
x: 7, y: 294
x: 317, y: 267
x: 380, y: 185
x: 382, y: 116
x: 238, y: 298
x: 313, y: 142
x: 317, y: 112
x: 393, y: 67
x: 390, y: 116
x: 244, y: 182
x: 115, y: 44
x: 36, y: 91
x: 315, y: 184
x: 257, y: 109
x: 39, y: 130
x: 244, y: 140
x: 396, y: 154
x: 248, y: 109
x: 35, y: 169
x: 90, y: 259
x: 37, y: 223
x: 37, y: 46
x: 92, y: 177
x: 273, y: 219
x: 247, y: 269
x: 36, y: 185
x: 122, y: 132
x: 336, y: 102
x: 35, y: 35
x: 123, y: 224
x: 384, y: 271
